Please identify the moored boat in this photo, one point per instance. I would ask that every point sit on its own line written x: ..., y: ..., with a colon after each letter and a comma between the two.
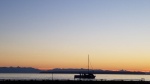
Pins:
x: 87, y: 75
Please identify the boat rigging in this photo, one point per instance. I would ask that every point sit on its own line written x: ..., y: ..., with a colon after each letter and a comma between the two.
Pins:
x: 87, y: 75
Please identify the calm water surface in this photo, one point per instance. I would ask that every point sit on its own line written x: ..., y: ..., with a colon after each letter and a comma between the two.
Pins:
x: 40, y: 76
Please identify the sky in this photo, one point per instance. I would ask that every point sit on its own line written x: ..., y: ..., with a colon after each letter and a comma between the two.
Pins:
x: 50, y: 34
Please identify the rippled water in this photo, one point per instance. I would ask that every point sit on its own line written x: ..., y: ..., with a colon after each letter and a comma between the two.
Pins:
x: 40, y: 76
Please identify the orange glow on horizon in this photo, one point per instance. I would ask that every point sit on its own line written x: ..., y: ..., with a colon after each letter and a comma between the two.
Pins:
x: 67, y: 59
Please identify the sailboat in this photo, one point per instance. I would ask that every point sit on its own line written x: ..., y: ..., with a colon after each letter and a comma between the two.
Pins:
x: 86, y: 75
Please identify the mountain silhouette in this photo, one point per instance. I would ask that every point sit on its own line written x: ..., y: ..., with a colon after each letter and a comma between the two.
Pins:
x: 19, y: 70
x: 65, y: 71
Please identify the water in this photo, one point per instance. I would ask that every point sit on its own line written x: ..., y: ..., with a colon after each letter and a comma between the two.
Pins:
x: 39, y: 76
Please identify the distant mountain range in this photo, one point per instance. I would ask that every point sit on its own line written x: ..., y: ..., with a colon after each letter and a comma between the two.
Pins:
x: 19, y: 70
x: 76, y: 71
x: 65, y: 71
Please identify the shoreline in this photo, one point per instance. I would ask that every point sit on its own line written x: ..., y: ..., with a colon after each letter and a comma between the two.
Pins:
x: 84, y: 80
x: 72, y: 82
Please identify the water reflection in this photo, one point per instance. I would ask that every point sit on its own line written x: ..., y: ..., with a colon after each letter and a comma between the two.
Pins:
x: 71, y: 76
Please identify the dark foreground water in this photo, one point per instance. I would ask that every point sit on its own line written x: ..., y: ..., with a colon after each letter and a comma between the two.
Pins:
x: 74, y: 82
x: 39, y: 76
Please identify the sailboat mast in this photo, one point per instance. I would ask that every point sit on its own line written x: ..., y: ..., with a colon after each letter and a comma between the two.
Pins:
x: 88, y: 63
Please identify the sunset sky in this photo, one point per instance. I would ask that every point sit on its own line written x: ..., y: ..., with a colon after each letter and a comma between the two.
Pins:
x: 50, y: 34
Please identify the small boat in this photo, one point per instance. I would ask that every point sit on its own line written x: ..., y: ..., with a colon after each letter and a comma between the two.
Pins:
x: 87, y: 75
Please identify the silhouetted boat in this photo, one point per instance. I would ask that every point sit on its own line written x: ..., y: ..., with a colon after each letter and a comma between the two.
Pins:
x: 87, y: 75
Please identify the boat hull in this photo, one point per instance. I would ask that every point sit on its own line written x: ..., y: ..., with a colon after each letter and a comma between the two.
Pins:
x: 84, y: 76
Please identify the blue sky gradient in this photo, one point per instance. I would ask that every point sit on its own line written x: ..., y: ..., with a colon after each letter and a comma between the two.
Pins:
x: 72, y: 29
